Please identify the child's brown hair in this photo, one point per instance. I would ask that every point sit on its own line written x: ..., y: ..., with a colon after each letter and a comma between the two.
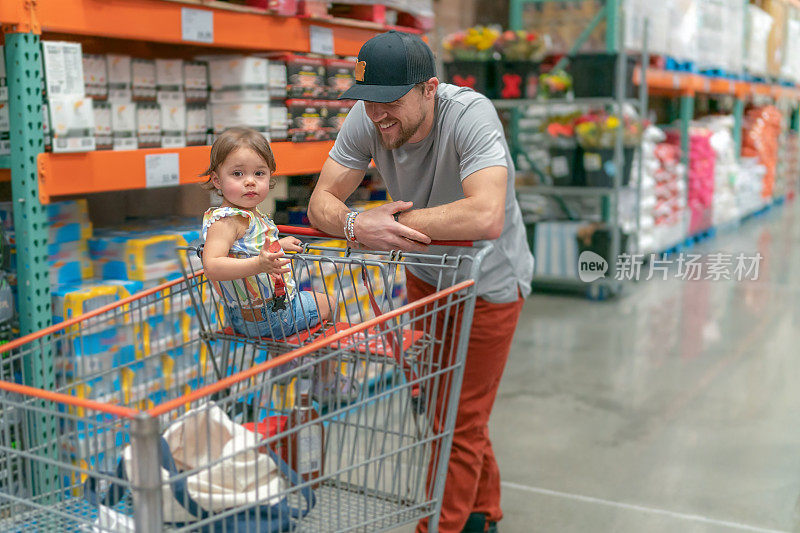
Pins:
x: 231, y: 140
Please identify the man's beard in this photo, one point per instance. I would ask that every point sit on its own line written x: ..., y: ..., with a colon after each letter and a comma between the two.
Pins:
x: 404, y: 136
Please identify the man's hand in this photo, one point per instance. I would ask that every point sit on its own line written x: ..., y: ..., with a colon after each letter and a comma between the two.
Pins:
x: 271, y: 260
x: 291, y: 244
x: 376, y: 229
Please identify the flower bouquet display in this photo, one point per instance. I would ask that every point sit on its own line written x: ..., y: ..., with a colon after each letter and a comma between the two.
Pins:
x: 566, y: 165
x: 472, y: 53
x: 597, y: 135
x: 554, y: 84
x: 518, y: 70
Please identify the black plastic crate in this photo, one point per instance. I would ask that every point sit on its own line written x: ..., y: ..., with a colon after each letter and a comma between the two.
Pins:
x: 566, y: 166
x: 600, y: 243
x: 599, y: 167
x: 477, y: 75
x: 516, y: 79
x: 594, y: 75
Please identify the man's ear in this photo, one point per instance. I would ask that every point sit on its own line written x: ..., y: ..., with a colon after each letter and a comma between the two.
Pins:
x: 430, y: 87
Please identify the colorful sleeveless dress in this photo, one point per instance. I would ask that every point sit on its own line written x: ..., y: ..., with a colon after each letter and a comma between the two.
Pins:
x: 245, y: 299
x: 260, y: 230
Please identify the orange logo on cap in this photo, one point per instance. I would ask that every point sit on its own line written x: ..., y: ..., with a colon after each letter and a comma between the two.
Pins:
x: 361, y: 66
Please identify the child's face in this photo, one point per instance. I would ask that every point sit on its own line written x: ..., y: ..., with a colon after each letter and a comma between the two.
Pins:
x: 243, y: 178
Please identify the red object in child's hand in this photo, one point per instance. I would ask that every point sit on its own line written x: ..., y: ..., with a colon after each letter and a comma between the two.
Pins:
x: 280, y: 286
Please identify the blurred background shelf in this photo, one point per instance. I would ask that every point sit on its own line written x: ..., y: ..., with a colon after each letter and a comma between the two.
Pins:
x: 160, y: 21
x: 103, y: 171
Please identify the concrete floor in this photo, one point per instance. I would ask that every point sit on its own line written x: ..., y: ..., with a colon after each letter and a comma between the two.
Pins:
x: 673, y: 409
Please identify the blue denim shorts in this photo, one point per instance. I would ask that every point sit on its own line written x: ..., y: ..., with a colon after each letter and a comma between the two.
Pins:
x: 301, y: 313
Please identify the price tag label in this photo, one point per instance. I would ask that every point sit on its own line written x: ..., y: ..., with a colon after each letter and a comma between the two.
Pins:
x: 321, y: 40
x: 161, y: 170
x: 197, y: 25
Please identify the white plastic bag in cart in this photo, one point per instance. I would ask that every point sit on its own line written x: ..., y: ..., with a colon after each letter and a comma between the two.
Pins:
x: 238, y: 476
x: 110, y: 520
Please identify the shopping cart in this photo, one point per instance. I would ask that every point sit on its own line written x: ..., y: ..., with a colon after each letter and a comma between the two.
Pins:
x: 140, y: 444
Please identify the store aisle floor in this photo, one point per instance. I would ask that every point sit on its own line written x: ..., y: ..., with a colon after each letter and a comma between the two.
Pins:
x: 673, y: 409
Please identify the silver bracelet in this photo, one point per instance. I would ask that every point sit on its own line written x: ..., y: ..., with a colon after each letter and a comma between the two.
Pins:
x: 350, y: 226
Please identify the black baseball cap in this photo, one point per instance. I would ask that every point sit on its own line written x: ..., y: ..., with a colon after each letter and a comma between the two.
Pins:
x: 389, y: 65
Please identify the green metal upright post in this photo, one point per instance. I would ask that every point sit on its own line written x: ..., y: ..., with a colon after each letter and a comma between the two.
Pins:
x: 738, y: 118
x: 27, y: 142
x: 794, y: 124
x: 614, y: 38
x: 23, y: 65
x: 515, y: 11
x: 687, y: 114
x: 515, y: 22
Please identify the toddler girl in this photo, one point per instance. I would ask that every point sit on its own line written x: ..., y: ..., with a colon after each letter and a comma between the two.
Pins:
x: 244, y: 260
x: 242, y: 256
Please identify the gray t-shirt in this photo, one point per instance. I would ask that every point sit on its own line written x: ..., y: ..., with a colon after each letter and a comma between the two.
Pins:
x: 466, y: 137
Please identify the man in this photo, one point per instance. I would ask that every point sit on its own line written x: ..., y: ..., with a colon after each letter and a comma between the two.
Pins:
x: 443, y: 156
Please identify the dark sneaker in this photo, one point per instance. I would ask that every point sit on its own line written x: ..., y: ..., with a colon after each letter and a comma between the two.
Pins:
x: 476, y: 523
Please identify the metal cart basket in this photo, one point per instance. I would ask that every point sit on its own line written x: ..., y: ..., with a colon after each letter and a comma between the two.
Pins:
x: 157, y: 414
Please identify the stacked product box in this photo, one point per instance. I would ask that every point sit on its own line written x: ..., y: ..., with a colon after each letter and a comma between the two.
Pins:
x: 306, y: 76
x: 141, y: 256
x: 118, y: 102
x: 195, y: 77
x: 145, y: 254
x: 308, y: 120
x: 337, y: 112
x: 239, y: 93
x: 71, y: 113
x: 313, y: 86
x: 150, y: 103
x: 104, y: 343
x: 171, y: 98
x: 68, y: 232
x: 278, y: 113
x: 339, y: 76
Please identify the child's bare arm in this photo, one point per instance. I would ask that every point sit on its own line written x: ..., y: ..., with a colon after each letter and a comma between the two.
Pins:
x: 219, y: 267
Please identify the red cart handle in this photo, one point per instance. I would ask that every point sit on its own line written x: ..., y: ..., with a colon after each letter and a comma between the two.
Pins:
x: 311, y: 232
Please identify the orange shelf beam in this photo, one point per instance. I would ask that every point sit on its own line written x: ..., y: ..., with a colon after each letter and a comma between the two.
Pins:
x: 668, y: 82
x: 103, y: 171
x: 160, y: 21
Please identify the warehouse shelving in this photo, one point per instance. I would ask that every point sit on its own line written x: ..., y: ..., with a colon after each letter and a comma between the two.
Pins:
x: 37, y: 177
x: 88, y: 172
x: 690, y: 83
x: 608, y: 196
x: 524, y: 102
x: 160, y: 21
x: 657, y: 82
x: 566, y: 191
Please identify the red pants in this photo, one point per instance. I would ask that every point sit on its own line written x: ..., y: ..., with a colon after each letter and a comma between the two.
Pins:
x: 473, y: 478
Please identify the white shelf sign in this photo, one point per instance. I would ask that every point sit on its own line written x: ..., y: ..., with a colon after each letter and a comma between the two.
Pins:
x: 321, y: 40
x: 161, y: 170
x: 197, y: 25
